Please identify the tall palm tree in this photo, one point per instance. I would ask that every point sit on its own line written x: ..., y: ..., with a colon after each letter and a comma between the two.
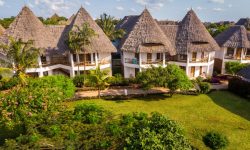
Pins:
x: 22, y: 54
x: 108, y: 23
x: 79, y: 40
x: 98, y: 78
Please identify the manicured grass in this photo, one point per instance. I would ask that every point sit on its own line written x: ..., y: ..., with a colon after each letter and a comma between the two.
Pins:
x: 219, y: 111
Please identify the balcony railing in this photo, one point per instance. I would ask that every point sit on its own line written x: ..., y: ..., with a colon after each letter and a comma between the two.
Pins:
x: 51, y: 63
x: 232, y: 57
x: 246, y: 58
x: 89, y: 63
x: 151, y: 61
x: 203, y: 60
x: 132, y: 61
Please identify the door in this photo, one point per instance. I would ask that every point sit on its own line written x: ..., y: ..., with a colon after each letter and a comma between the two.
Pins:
x: 149, y: 58
x: 192, y: 71
x: 194, y: 56
x: 238, y: 54
x: 201, y: 70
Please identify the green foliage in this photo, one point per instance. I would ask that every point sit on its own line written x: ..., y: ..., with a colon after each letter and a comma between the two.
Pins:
x: 54, y: 20
x: 215, y: 140
x: 205, y: 87
x: 117, y: 80
x: 90, y: 114
x: 8, y: 83
x: 108, y: 25
x: 172, y: 77
x: 6, y: 72
x: 155, y: 132
x: 5, y: 22
x: 239, y: 87
x: 79, y: 80
x: 215, y: 29
x: 234, y: 67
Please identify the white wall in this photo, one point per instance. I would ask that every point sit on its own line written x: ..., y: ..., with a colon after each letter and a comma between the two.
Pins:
x: 129, y: 72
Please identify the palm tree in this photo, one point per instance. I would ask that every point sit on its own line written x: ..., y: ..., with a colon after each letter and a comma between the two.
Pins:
x: 22, y: 54
x: 79, y: 40
x: 98, y: 78
x: 108, y: 23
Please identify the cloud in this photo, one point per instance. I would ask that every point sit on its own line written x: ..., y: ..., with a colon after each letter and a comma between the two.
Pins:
x: 119, y: 8
x: 230, y: 5
x: 153, y: 4
x: 218, y: 9
x: 2, y: 2
x: 87, y: 3
x: 217, y: 1
x: 200, y: 8
x: 54, y: 5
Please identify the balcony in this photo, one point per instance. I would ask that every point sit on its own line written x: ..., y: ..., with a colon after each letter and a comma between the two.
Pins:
x: 133, y: 61
x: 51, y: 63
x: 246, y: 58
x: 151, y: 62
x: 202, y: 60
x: 232, y: 57
x: 89, y: 63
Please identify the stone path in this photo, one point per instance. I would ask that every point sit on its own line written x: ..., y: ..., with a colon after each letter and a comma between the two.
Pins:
x: 222, y: 86
x: 118, y: 92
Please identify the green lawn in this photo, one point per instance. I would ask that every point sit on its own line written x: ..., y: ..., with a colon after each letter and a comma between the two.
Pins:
x: 219, y: 111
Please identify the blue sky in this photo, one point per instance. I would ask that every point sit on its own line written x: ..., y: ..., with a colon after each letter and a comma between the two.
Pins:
x: 207, y: 10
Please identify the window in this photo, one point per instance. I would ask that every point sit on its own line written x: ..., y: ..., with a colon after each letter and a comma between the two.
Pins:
x: 183, y: 57
x: 194, y: 56
x: 149, y: 57
x: 159, y: 56
x: 43, y: 59
x: 74, y: 57
x: 46, y: 73
x: 230, y: 51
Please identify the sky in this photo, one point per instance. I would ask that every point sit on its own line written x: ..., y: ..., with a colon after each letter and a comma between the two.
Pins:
x: 207, y: 10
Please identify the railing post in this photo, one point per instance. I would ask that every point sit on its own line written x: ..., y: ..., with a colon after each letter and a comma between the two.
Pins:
x: 96, y: 59
x: 164, y: 59
x: 140, y: 61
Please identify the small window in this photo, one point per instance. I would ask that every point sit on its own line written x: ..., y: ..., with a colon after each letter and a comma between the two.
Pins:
x: 43, y: 59
x: 74, y: 57
x: 230, y: 51
x: 46, y: 73
x: 159, y: 56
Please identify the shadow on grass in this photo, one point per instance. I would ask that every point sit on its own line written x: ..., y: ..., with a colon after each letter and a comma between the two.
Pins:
x: 149, y: 98
x: 232, y: 103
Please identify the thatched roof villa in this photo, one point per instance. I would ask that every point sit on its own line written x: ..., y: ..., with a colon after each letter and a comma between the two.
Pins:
x: 184, y: 44
x: 52, y: 38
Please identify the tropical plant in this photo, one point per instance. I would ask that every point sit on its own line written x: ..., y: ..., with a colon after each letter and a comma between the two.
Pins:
x: 108, y: 23
x: 98, y: 78
x: 79, y: 40
x: 215, y: 140
x: 205, y: 87
x: 234, y: 67
x: 23, y: 55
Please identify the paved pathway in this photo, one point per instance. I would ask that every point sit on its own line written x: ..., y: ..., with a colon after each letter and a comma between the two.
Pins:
x: 118, y: 92
x: 222, y: 86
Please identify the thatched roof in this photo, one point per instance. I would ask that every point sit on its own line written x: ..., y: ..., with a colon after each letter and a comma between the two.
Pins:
x: 144, y: 35
x: 99, y: 43
x: 244, y: 22
x: 192, y: 36
x: 245, y: 73
x: 235, y: 37
x: 27, y: 26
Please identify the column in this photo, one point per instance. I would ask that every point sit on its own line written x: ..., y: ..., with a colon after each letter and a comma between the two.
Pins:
x: 140, y: 61
x: 40, y: 73
x: 72, y: 71
x: 96, y: 59
x: 164, y: 59
x: 242, y: 54
x: 187, y: 65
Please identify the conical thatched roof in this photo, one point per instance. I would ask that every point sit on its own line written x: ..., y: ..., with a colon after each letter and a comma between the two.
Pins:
x: 192, y: 36
x: 99, y: 43
x: 27, y: 26
x: 71, y: 18
x: 144, y: 35
x: 244, y: 22
x: 235, y: 37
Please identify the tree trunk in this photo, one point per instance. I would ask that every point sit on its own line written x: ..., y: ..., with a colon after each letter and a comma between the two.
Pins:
x: 99, y: 93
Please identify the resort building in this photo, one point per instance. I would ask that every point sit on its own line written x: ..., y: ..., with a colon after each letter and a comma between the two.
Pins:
x: 235, y: 47
x: 148, y: 42
x: 57, y: 58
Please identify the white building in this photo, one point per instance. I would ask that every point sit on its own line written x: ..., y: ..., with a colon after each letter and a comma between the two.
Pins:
x: 148, y: 42
x: 57, y: 58
x: 235, y: 47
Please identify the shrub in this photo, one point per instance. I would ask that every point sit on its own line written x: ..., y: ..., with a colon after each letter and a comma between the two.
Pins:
x: 90, y: 113
x: 234, y: 67
x: 205, y: 87
x: 239, y: 87
x: 117, y: 80
x: 79, y: 80
x: 8, y: 83
x: 215, y: 140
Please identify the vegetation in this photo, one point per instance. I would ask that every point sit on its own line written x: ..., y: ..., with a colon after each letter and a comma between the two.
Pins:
x: 171, y: 77
x: 54, y: 20
x: 215, y: 141
x: 8, y: 83
x: 218, y: 111
x: 98, y: 78
x: 215, y: 29
x: 118, y: 80
x: 79, y: 40
x: 23, y: 55
x: 108, y: 25
x: 240, y: 87
x: 234, y: 67
x: 5, y: 22
x: 205, y: 87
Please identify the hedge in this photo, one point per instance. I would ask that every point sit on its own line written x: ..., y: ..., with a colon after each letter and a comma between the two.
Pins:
x: 239, y: 87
